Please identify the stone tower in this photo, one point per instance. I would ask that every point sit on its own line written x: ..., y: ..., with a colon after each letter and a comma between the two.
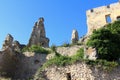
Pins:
x: 98, y: 17
x: 75, y: 37
x: 38, y: 36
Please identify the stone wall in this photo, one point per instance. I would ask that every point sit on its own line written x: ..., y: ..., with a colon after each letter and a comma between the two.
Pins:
x: 97, y: 17
x: 20, y: 66
x: 29, y: 64
x: 90, y: 53
x: 80, y: 71
x: 68, y: 51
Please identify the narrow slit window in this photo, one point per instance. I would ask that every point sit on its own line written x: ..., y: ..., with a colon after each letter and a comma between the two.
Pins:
x: 108, y: 19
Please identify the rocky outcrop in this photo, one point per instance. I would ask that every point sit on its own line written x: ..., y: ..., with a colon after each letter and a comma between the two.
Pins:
x: 38, y: 36
x: 75, y: 37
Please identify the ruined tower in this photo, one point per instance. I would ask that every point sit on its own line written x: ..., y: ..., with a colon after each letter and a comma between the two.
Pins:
x: 75, y: 37
x: 98, y: 17
x: 38, y: 36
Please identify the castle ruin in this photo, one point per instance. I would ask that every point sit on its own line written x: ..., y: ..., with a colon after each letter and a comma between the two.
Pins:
x: 38, y: 36
x: 98, y: 17
x: 75, y: 37
x: 21, y: 65
x: 24, y: 65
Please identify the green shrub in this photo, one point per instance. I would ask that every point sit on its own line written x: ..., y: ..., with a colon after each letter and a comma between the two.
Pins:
x: 36, y: 49
x: 69, y: 45
x: 61, y: 60
x: 78, y: 43
x: 78, y: 56
x: 103, y: 64
x: 53, y: 48
x: 65, y: 45
x: 58, y: 60
x: 106, y: 41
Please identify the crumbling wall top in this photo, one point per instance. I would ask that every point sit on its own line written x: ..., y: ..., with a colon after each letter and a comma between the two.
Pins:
x: 100, y: 16
x: 103, y: 8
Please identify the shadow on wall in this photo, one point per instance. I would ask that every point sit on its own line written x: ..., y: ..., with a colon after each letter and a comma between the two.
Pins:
x: 20, y: 66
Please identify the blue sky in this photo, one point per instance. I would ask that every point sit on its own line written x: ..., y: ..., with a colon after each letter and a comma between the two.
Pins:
x: 17, y: 17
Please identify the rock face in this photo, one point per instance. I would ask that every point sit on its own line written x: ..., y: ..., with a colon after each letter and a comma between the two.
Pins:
x: 75, y: 37
x: 38, y: 36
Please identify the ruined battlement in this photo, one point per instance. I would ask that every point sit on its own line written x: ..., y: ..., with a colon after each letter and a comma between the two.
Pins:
x: 38, y: 35
x: 103, y: 8
x: 98, y: 17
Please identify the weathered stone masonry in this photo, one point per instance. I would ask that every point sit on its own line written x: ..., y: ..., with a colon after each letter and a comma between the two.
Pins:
x: 38, y: 36
x: 98, y: 17
x: 79, y: 71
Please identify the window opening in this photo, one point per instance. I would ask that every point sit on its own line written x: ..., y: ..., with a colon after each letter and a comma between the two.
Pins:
x: 36, y: 61
x: 108, y: 19
x: 91, y: 10
x: 108, y: 6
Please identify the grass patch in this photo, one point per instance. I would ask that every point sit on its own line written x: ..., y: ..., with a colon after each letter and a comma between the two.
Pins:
x: 53, y: 48
x: 65, y: 45
x: 58, y: 60
x: 61, y: 60
x: 69, y: 45
x: 103, y: 64
x: 36, y: 49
